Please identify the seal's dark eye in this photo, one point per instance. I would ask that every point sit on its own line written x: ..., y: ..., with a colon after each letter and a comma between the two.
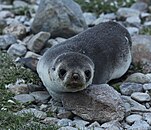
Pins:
x: 62, y: 73
x: 88, y: 74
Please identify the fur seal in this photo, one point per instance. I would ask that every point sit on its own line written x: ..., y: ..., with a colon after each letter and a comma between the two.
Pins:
x: 95, y: 56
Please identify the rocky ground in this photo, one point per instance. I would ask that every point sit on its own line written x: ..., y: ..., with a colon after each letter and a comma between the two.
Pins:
x: 28, y: 28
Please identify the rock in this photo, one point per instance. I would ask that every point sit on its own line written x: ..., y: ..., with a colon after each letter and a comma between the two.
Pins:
x: 60, y: 39
x: 141, y: 6
x: 112, y: 125
x: 19, y: 89
x: 62, y: 113
x: 68, y: 128
x: 127, y: 12
x: 89, y: 17
x: 147, y: 117
x: 147, y: 24
x: 29, y: 62
x: 66, y: 18
x: 140, y: 125
x: 50, y: 121
x: 147, y: 87
x: 7, y: 40
x: 64, y: 122
x: 32, y: 54
x: 132, y: 118
x: 35, y: 112
x: 37, y: 42
x: 17, y: 50
x: 18, y: 30
x: 80, y: 124
x: 24, y: 98
x: 19, y: 4
x: 133, y: 30
x: 51, y: 42
x: 3, y: 24
x: 97, y: 103
x: 93, y: 125
x: 40, y: 96
x: 134, y: 20
x: 5, y: 14
x: 133, y: 106
x: 141, y: 51
x: 138, y: 78
x: 129, y: 88
x: 140, y: 97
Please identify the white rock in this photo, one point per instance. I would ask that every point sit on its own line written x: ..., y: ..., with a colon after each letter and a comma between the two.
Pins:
x: 141, y: 97
x: 133, y: 30
x: 89, y: 17
x: 132, y: 118
x: 147, y: 117
x: 135, y: 20
x: 32, y: 54
x: 140, y: 125
x: 17, y: 50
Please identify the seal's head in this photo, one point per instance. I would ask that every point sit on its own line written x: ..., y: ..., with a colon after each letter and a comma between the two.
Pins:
x: 73, y: 71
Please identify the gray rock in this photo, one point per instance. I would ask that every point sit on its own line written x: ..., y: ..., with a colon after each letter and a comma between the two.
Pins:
x: 89, y: 17
x: 50, y: 120
x: 141, y: 51
x: 133, y: 30
x: 147, y: 87
x: 35, y: 112
x: 129, y: 88
x: 62, y: 113
x: 68, y: 128
x: 93, y: 125
x: 18, y: 30
x: 64, y: 122
x: 5, y: 14
x: 19, y: 89
x: 37, y: 42
x: 147, y: 24
x: 60, y: 39
x: 66, y: 18
x: 138, y: 78
x: 40, y: 96
x: 80, y: 124
x: 112, y: 125
x: 127, y: 12
x: 51, y: 42
x: 17, y: 50
x: 3, y: 24
x: 133, y: 106
x: 32, y: 54
x: 140, y: 125
x: 110, y: 16
x: 100, y: 20
x: 140, y: 97
x: 147, y: 117
x: 134, y: 20
x: 7, y: 40
x: 141, y: 6
x: 19, y: 4
x: 24, y: 98
x: 132, y: 118
x: 96, y: 103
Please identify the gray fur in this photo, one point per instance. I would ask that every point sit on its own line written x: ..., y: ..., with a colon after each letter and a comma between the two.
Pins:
x: 107, y: 45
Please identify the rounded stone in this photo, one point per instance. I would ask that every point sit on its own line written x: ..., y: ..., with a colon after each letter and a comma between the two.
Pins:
x: 132, y: 118
x: 141, y: 97
x: 24, y: 98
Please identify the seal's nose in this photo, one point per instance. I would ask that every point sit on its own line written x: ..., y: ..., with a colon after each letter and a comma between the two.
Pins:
x: 75, y: 76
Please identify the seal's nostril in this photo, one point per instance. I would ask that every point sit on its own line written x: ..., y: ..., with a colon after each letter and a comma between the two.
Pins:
x: 75, y: 76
